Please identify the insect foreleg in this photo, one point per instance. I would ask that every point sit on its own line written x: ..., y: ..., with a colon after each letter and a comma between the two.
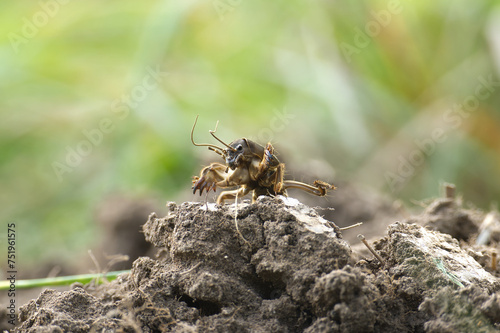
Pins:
x: 210, y: 177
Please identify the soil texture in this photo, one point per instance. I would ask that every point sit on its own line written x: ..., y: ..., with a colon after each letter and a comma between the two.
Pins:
x: 278, y: 266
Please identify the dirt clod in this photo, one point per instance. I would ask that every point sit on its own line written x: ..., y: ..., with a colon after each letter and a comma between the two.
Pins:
x: 287, y: 270
x: 447, y: 216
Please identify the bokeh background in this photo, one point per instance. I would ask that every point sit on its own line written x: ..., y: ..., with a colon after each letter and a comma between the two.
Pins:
x: 98, y: 99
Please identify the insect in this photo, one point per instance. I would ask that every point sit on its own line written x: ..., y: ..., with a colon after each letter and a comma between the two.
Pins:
x: 250, y: 166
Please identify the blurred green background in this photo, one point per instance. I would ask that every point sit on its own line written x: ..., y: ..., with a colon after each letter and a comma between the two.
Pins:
x: 99, y: 98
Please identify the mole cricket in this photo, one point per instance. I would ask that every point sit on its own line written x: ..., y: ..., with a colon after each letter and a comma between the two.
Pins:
x: 251, y: 167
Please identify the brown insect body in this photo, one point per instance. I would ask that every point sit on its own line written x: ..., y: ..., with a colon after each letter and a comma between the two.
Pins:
x: 250, y: 166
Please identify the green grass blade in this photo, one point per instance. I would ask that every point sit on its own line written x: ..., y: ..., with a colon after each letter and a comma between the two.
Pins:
x: 61, y: 280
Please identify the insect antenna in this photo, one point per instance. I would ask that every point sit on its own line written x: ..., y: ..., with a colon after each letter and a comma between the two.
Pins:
x: 215, y: 148
x: 213, y: 134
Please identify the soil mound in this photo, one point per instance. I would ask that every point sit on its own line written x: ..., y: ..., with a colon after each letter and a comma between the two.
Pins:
x: 280, y: 267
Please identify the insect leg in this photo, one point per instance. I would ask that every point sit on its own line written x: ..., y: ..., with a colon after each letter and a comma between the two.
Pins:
x: 279, y: 186
x: 318, y: 188
x: 268, y: 162
x: 210, y: 177
x: 226, y: 195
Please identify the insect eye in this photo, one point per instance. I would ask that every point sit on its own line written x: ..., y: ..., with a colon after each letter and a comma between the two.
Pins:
x: 239, y: 148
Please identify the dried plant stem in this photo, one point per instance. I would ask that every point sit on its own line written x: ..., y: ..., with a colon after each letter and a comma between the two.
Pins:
x: 379, y: 258
x: 494, y: 260
x: 450, y: 191
x: 351, y: 226
x: 236, y: 220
